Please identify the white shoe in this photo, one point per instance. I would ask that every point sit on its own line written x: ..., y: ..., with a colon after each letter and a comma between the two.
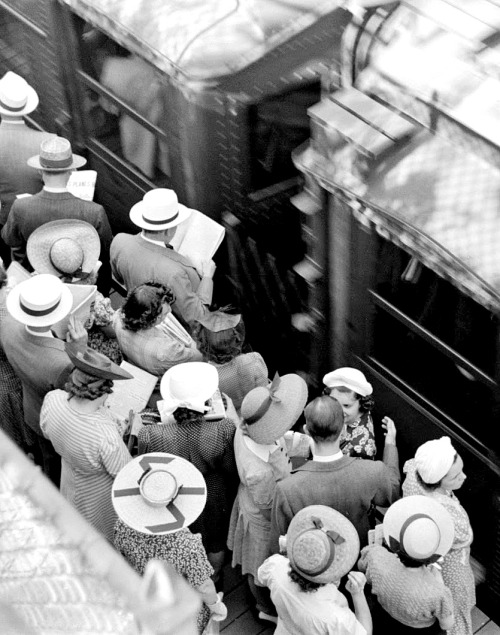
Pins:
x: 268, y: 618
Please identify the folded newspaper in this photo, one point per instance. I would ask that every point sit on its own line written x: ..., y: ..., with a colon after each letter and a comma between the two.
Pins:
x: 131, y: 394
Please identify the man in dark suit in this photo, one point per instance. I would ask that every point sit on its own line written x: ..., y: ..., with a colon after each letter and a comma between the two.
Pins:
x: 348, y: 484
x: 56, y: 161
x: 18, y: 142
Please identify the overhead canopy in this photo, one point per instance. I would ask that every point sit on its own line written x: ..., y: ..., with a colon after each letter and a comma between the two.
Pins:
x: 203, y: 39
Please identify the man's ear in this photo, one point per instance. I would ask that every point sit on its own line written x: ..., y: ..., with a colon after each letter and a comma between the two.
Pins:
x: 306, y: 431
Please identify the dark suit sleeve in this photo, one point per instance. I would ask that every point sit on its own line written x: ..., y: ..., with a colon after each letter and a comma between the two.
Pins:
x: 12, y: 236
x: 104, y: 229
x: 281, y: 516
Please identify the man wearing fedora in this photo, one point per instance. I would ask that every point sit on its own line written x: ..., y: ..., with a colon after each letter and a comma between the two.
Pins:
x: 55, y: 161
x: 148, y: 256
x: 18, y: 142
x: 348, y: 484
x: 38, y: 358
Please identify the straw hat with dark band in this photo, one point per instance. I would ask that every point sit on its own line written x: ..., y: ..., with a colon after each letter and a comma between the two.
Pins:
x: 322, y: 544
x: 269, y: 412
x: 56, y: 156
x: 159, y: 493
x: 17, y: 97
x: 65, y: 247
x: 40, y: 301
x: 158, y: 210
x: 97, y: 365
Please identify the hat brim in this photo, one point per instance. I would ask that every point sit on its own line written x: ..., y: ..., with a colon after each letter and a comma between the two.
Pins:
x: 346, y: 553
x: 41, y: 240
x: 282, y: 414
x: 138, y: 220
x: 78, y: 162
x: 30, y: 106
x: 135, y: 512
x: 330, y: 380
x: 63, y: 308
x: 112, y: 372
x: 400, y: 511
x: 210, y: 384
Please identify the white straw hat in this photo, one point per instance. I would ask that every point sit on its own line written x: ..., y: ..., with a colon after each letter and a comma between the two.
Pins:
x: 158, y: 210
x: 17, y: 97
x: 56, y: 155
x: 159, y: 493
x: 40, y: 301
x: 419, y: 527
x: 351, y: 378
x: 188, y: 385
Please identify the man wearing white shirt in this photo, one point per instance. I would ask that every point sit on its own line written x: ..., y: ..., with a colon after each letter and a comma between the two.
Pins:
x: 348, y: 484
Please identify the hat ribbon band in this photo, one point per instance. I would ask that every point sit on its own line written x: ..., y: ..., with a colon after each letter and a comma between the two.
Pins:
x: 335, y: 540
x: 160, y: 222
x: 12, y: 108
x: 81, y: 378
x: 266, y: 404
x: 397, y: 547
x: 40, y: 312
x: 56, y: 163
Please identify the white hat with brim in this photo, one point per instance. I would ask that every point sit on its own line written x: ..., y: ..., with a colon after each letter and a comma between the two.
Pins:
x: 419, y: 527
x: 72, y: 238
x: 351, y: 378
x: 159, y: 493
x: 270, y: 411
x: 321, y: 544
x: 159, y: 210
x: 40, y: 301
x: 188, y: 385
x: 17, y: 97
x: 56, y: 155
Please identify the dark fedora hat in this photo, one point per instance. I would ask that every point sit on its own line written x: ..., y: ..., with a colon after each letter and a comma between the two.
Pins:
x: 97, y: 365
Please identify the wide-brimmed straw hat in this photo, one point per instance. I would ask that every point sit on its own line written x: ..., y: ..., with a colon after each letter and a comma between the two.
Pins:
x: 159, y: 493
x: 270, y: 411
x: 351, y: 378
x: 40, y: 301
x: 97, y: 365
x: 17, y: 97
x: 158, y: 210
x: 56, y: 155
x: 419, y: 527
x: 188, y: 385
x: 321, y: 544
x: 217, y: 321
x: 66, y: 247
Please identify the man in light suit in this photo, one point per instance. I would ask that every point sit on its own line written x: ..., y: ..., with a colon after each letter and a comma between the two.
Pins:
x: 148, y: 257
x: 56, y: 161
x: 348, y: 484
x: 18, y: 142
x: 38, y: 358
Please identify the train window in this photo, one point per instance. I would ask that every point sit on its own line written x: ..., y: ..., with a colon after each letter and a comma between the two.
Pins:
x: 277, y: 126
x: 124, y: 103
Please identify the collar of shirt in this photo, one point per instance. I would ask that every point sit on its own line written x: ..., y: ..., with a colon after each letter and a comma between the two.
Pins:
x: 156, y: 242
x: 15, y: 122
x: 330, y: 457
x: 262, y: 451
x: 39, y: 334
x: 55, y: 190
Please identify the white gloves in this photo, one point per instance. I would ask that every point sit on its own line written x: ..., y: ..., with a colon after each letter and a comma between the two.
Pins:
x: 218, y: 609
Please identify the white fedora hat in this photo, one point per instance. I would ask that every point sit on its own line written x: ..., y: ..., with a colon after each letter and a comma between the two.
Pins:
x: 419, y: 527
x: 40, y: 301
x: 188, y: 385
x: 17, y: 98
x: 159, y: 493
x: 159, y: 209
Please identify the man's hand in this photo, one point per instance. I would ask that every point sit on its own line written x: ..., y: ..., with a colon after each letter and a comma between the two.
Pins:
x: 355, y: 582
x: 77, y: 336
x: 207, y: 268
x: 390, y: 430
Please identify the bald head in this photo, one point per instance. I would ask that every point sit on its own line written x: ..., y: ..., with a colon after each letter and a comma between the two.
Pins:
x: 324, y: 419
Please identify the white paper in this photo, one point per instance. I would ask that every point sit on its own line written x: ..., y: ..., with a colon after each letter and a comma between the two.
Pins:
x: 83, y: 297
x: 198, y: 238
x: 81, y: 183
x: 131, y: 394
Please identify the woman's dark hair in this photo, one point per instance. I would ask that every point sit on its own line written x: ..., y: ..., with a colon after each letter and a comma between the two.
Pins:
x: 366, y: 403
x: 3, y: 276
x: 144, y: 305
x: 85, y: 386
x: 305, y: 585
x: 405, y: 560
x: 222, y: 346
x: 185, y: 415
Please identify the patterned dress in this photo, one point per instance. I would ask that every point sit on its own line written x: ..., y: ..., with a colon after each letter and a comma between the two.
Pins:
x: 358, y: 438
x: 182, y: 549
x: 92, y: 452
x: 457, y: 572
x: 208, y: 445
x: 102, y: 314
x: 241, y: 375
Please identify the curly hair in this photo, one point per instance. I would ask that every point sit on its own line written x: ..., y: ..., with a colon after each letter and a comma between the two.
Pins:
x: 85, y: 386
x: 144, y: 305
x: 220, y: 347
x: 366, y: 403
x: 307, y: 586
x: 185, y: 415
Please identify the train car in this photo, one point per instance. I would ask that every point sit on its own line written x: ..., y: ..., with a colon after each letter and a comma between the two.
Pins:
x: 401, y: 209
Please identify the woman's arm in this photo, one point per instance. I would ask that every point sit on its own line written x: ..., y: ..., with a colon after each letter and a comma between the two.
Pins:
x: 355, y: 585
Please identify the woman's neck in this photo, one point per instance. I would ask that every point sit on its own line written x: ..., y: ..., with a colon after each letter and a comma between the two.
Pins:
x: 87, y: 405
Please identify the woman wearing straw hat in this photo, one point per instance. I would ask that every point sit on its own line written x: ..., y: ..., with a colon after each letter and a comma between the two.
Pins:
x: 404, y: 571
x: 322, y: 546
x: 70, y: 249
x: 157, y: 496
x: 185, y: 389
x: 86, y: 436
x: 221, y: 339
x: 437, y: 471
x: 262, y: 446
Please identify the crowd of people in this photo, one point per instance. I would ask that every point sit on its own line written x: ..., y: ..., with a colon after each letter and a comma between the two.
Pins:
x: 283, y: 485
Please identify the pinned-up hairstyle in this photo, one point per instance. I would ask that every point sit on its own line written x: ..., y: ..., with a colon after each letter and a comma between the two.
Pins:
x: 144, y: 305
